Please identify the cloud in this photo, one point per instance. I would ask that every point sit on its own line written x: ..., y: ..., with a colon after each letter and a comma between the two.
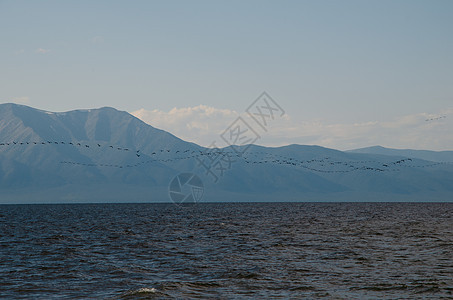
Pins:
x: 203, y: 125
x: 42, y: 51
x: 200, y: 124
x: 19, y: 52
x: 410, y: 131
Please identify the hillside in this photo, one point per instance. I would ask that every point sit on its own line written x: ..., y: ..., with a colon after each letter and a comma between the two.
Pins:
x: 437, y: 156
x: 106, y: 155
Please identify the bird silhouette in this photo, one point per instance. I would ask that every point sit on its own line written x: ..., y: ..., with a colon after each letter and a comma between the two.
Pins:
x: 324, y: 165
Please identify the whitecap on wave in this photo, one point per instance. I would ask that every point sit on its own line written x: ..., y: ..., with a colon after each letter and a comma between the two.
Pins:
x: 140, y: 291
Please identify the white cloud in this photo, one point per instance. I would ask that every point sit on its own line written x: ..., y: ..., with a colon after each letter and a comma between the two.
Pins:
x: 203, y: 125
x: 19, y: 52
x: 200, y: 124
x: 42, y: 51
x: 411, y: 131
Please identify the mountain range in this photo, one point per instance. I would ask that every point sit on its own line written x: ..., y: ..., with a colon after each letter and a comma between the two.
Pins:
x: 106, y: 155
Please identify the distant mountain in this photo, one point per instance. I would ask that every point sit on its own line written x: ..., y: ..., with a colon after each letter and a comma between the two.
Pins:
x: 34, y: 145
x: 437, y: 156
x: 106, y: 155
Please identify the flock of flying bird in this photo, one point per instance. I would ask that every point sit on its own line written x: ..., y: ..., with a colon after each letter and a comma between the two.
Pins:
x: 324, y: 165
x: 435, y: 118
x: 66, y: 143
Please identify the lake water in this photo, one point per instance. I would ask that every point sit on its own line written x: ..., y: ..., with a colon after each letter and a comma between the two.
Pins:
x: 227, y: 251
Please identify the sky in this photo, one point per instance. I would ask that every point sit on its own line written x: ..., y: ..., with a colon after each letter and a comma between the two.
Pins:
x: 347, y: 74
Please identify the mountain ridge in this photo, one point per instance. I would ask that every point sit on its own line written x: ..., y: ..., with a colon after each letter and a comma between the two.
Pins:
x: 107, y: 155
x: 437, y: 156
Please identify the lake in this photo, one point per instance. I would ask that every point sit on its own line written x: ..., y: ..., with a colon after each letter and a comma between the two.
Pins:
x: 227, y: 251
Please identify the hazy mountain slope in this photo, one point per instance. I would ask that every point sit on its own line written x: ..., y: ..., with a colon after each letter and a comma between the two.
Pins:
x: 103, y: 155
x: 438, y: 156
x: 361, y: 172
x: 95, y: 135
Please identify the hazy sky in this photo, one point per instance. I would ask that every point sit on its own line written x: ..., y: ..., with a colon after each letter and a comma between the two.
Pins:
x: 342, y: 70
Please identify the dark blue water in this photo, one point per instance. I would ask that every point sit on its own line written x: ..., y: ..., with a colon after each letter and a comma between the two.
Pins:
x: 280, y: 250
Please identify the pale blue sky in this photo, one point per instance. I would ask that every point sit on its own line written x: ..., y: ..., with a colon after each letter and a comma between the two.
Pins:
x: 335, y: 61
